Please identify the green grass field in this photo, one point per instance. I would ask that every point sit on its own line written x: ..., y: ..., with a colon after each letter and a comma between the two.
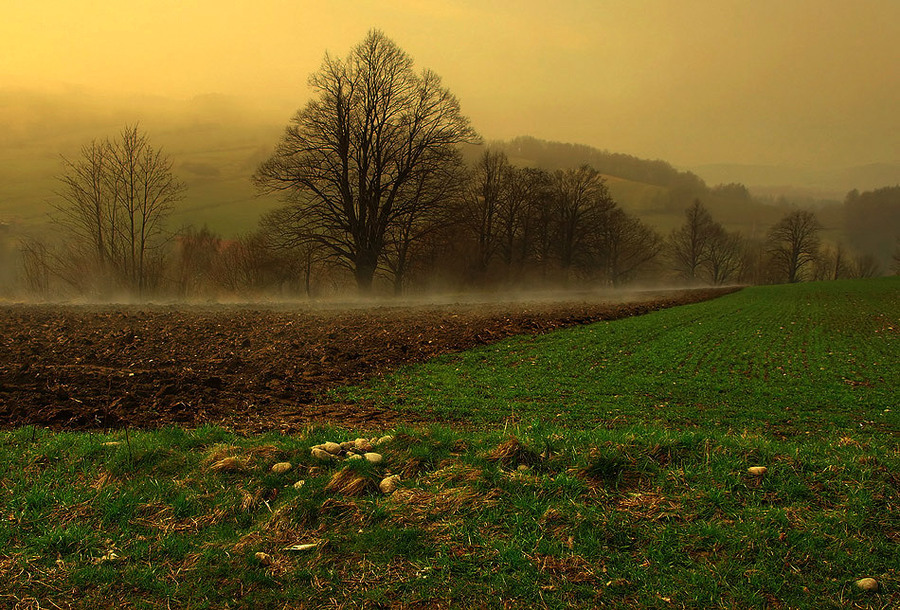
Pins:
x: 602, y: 466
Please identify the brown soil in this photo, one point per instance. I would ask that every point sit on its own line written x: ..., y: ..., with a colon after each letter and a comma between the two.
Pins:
x: 248, y: 368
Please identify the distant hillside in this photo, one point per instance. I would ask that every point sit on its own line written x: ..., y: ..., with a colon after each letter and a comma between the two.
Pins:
x: 803, y: 182
x: 654, y: 190
x: 557, y: 155
x: 217, y: 142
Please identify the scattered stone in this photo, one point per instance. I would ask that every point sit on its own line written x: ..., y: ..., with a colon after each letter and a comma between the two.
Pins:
x: 389, y: 484
x: 375, y: 458
x: 332, y: 448
x: 362, y: 444
x: 281, y: 467
x: 300, y: 547
x: 320, y: 454
x: 385, y: 439
x: 757, y: 471
x: 354, y: 456
x: 299, y: 484
x: 867, y: 584
x: 264, y: 558
x: 347, y: 445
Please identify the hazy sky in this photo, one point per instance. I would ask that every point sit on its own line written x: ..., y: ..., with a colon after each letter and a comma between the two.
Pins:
x: 803, y: 82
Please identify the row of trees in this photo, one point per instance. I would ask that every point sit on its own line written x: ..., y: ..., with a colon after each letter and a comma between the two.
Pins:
x: 503, y: 225
x: 374, y: 185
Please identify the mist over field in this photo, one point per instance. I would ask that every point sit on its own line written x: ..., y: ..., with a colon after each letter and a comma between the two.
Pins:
x: 753, y: 111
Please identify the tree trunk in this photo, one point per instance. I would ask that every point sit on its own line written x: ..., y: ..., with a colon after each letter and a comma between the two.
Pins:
x: 365, y: 272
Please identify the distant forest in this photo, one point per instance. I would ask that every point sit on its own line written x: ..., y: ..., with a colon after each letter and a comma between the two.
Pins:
x: 503, y: 229
x: 379, y: 185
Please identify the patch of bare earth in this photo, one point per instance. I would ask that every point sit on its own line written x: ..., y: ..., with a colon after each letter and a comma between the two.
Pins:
x: 243, y: 367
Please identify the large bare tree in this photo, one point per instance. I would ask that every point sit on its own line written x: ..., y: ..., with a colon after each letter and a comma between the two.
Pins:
x: 625, y: 245
x: 529, y: 189
x: 724, y: 255
x: 346, y: 160
x: 115, y: 197
x: 689, y: 245
x: 486, y: 195
x: 793, y: 244
x: 582, y: 204
x: 426, y: 206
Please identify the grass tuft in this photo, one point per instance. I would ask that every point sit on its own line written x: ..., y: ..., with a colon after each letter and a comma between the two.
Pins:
x: 512, y: 453
x: 348, y: 481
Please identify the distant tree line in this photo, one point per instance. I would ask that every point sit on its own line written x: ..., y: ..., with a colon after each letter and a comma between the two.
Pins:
x: 378, y: 195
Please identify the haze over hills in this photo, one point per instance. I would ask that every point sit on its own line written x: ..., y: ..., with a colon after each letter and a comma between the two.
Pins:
x: 216, y: 143
x: 832, y: 183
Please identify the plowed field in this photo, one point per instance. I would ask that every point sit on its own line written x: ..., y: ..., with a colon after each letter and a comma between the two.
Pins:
x: 248, y: 368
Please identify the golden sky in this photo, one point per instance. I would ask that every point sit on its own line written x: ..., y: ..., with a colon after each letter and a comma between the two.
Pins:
x: 803, y: 82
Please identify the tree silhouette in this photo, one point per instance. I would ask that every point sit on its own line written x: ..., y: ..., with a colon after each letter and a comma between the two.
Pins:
x: 349, y: 159
x: 116, y: 195
x: 793, y: 244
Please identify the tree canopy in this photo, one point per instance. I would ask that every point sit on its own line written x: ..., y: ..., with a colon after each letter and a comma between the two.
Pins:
x: 351, y: 160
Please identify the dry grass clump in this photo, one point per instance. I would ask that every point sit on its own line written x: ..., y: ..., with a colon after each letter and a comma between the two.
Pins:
x: 413, y: 467
x: 512, y: 453
x: 418, y: 505
x: 229, y: 464
x: 450, y: 472
x: 350, y: 483
x: 651, y: 506
x: 560, y: 525
x: 105, y: 478
x: 82, y: 512
x: 341, y: 510
x: 228, y: 458
x: 569, y: 568
x: 609, y: 467
x: 160, y: 517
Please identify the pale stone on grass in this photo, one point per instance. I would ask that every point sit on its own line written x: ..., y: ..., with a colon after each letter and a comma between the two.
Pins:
x: 385, y: 439
x: 354, y: 456
x: 389, y: 484
x: 375, y: 458
x: 320, y: 454
x: 332, y: 448
x: 281, y: 467
x: 299, y: 484
x: 757, y: 471
x: 867, y: 584
x: 362, y: 444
